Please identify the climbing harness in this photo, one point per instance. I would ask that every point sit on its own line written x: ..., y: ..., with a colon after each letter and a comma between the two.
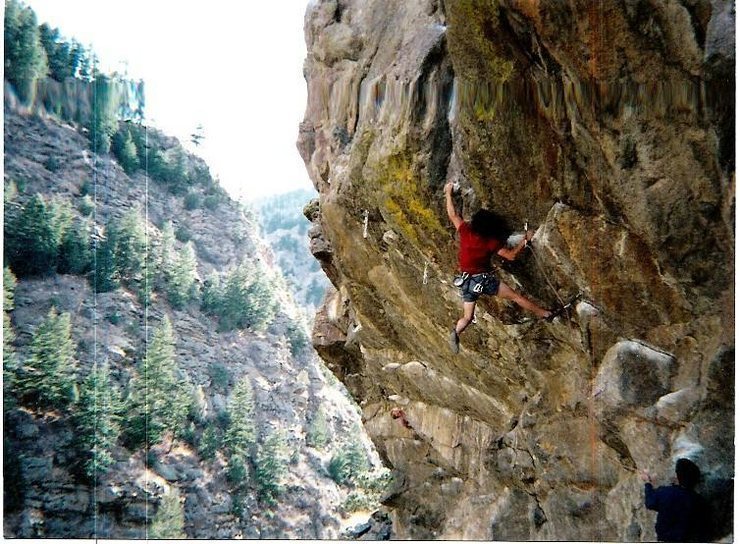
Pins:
x: 460, y: 279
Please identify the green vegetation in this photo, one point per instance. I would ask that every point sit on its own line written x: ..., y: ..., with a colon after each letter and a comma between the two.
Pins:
x: 282, y: 219
x: 161, y: 397
x: 271, y: 465
x: 46, y: 378
x: 105, y: 274
x: 318, y: 433
x: 31, y: 245
x: 181, y: 287
x: 192, y: 201
x: 182, y: 234
x: 242, y: 300
x: 210, y: 442
x: 10, y: 360
x: 97, y: 422
x: 297, y: 338
x: 25, y: 59
x: 169, y: 521
x: 241, y: 433
x: 124, y: 149
x: 369, y: 489
x: 33, y: 53
x: 75, y: 252
x: 65, y: 59
x: 349, y: 461
x: 220, y: 376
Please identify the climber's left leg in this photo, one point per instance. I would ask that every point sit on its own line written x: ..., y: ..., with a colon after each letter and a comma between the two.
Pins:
x: 464, y: 321
x: 504, y: 291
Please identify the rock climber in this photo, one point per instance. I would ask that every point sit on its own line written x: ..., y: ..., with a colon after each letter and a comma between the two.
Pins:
x: 682, y: 513
x: 398, y: 413
x: 484, y: 235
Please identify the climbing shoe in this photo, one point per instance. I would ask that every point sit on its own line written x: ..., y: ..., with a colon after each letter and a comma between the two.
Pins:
x: 454, y: 342
x: 559, y: 310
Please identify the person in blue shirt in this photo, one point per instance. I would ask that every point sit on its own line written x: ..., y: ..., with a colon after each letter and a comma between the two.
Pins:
x: 682, y: 515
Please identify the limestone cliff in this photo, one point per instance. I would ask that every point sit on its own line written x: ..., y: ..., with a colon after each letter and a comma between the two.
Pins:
x: 607, y: 125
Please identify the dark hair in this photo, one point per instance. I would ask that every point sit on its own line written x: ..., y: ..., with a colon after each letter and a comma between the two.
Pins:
x: 687, y: 472
x: 490, y: 225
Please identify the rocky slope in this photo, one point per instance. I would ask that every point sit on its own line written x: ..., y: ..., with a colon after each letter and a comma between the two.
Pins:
x: 609, y: 126
x: 45, y: 496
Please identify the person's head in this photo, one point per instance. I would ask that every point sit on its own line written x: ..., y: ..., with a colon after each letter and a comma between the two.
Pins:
x: 396, y: 413
x: 687, y: 472
x: 490, y: 225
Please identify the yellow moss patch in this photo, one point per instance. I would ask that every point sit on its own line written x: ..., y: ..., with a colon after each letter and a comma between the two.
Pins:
x: 472, y: 34
x: 403, y: 200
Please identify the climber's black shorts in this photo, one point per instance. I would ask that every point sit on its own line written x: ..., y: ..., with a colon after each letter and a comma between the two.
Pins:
x: 477, y: 285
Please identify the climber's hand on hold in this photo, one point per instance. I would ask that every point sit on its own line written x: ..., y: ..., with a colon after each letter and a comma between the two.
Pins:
x: 528, y: 235
x: 645, y: 475
x: 449, y: 187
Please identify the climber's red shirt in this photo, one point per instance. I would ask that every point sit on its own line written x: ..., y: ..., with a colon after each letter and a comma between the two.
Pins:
x: 475, y: 252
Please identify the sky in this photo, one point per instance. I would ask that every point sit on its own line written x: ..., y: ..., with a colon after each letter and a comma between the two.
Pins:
x: 234, y: 67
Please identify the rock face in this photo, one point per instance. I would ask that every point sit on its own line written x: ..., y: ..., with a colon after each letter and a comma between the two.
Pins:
x: 610, y: 127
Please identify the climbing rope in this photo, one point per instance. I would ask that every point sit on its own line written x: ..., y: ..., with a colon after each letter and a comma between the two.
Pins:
x: 539, y: 265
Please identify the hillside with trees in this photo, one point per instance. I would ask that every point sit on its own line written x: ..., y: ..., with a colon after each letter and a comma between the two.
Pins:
x: 158, y: 379
x: 285, y: 228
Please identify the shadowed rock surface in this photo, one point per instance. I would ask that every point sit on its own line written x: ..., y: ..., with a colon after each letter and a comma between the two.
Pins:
x: 609, y: 126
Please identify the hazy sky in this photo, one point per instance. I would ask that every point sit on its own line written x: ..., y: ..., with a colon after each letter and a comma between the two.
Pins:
x: 233, y: 66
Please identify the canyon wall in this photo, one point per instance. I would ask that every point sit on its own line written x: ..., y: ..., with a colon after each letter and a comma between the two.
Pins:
x: 607, y: 126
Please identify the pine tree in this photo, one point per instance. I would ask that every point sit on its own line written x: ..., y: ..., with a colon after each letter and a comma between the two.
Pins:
x: 25, y: 59
x: 176, y: 172
x: 75, y: 252
x: 59, y: 53
x: 166, y: 253
x: 131, y: 245
x: 97, y: 422
x: 318, y: 430
x: 212, y: 294
x: 31, y: 243
x: 161, y: 398
x: 169, y: 521
x: 47, y: 375
x: 61, y: 216
x: 241, y: 433
x: 105, y: 275
x: 181, y: 287
x: 356, y: 455
x: 10, y: 360
x: 246, y: 300
x: 124, y: 149
x: 271, y: 464
x: 349, y: 461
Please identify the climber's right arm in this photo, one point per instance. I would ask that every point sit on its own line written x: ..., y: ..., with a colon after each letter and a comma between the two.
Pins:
x: 451, y: 212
